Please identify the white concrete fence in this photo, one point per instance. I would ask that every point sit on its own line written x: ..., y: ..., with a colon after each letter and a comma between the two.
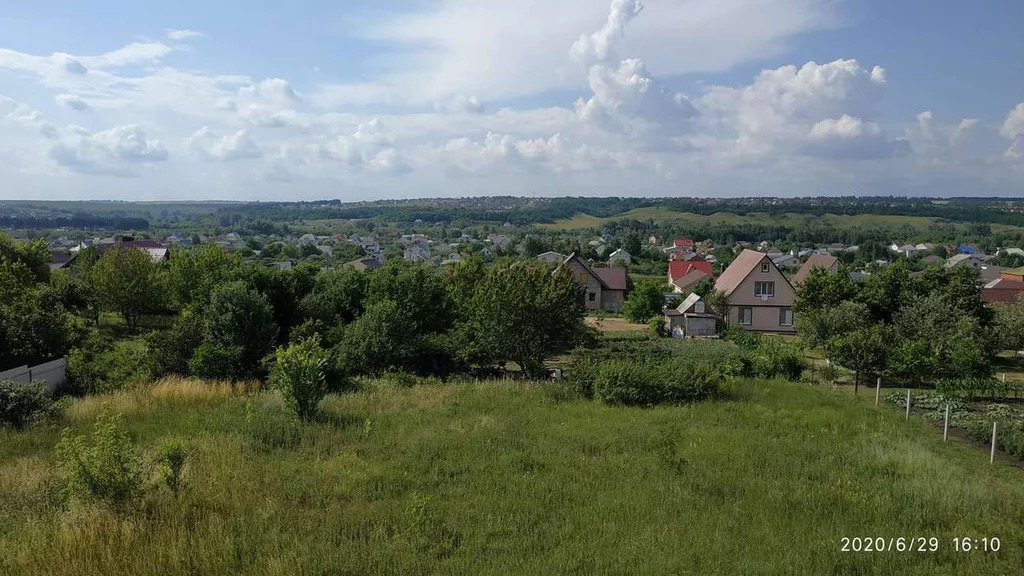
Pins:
x: 53, y: 374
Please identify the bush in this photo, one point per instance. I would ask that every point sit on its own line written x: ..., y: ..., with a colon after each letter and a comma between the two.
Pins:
x: 773, y: 358
x: 20, y: 404
x: 656, y: 327
x: 102, y: 365
x: 217, y: 362
x: 582, y: 374
x: 171, y: 458
x: 299, y: 372
x: 649, y: 382
x: 107, y: 469
x: 172, y: 349
x: 271, y: 429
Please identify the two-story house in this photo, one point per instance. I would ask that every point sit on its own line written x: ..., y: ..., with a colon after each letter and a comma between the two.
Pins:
x: 760, y: 297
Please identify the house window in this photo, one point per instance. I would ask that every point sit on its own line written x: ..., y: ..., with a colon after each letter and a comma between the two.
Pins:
x: 764, y: 288
x: 765, y: 267
x: 591, y: 296
x: 746, y: 315
x: 785, y: 316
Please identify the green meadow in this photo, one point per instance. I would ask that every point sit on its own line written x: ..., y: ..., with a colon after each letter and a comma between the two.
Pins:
x: 514, y: 478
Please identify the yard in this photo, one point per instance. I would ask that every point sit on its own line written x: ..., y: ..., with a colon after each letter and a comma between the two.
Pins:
x: 499, y: 478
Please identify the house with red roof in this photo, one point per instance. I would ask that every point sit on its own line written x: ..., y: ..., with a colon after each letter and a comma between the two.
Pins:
x: 683, y: 275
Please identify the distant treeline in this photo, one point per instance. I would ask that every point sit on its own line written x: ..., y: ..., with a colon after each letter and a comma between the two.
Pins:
x: 80, y: 221
x: 525, y: 211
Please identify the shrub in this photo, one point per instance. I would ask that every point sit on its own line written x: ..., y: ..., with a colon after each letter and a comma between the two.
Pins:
x: 171, y: 459
x: 107, y: 468
x: 215, y: 362
x: 20, y: 404
x: 582, y: 374
x: 102, y: 365
x: 656, y: 327
x: 773, y: 358
x: 649, y: 381
x: 271, y: 429
x: 172, y: 349
x: 299, y: 372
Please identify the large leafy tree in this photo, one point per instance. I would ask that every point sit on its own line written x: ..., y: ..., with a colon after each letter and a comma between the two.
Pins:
x: 418, y: 290
x: 821, y: 290
x: 1009, y: 325
x: 192, y: 274
x: 524, y: 314
x: 335, y: 300
x: 239, y: 318
x: 127, y: 282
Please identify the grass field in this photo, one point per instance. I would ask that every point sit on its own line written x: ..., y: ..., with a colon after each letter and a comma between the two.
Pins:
x: 665, y: 216
x: 505, y: 478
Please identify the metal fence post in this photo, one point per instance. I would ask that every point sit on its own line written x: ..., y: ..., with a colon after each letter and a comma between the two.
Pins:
x: 992, y: 454
x: 945, y: 425
x: 908, y: 404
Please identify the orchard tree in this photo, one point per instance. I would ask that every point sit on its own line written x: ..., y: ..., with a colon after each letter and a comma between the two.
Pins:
x: 644, y: 302
x: 192, y: 274
x: 127, y: 282
x: 822, y: 290
x: 240, y: 318
x: 524, y: 314
x: 862, y: 351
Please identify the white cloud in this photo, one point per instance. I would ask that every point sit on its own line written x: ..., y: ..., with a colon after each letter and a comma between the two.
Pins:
x: 497, y: 49
x: 24, y: 115
x: 72, y: 101
x: 793, y: 109
x: 237, y: 146
x: 134, y: 53
x: 182, y: 34
x: 1013, y: 129
x: 598, y: 45
x: 110, y: 152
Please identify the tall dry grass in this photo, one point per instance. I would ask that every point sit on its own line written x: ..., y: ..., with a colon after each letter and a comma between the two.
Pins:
x: 170, y: 390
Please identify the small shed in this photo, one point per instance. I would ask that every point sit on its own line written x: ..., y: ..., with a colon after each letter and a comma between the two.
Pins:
x: 691, y: 319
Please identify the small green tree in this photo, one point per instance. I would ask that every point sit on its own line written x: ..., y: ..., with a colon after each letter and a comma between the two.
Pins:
x: 645, y: 301
x: 171, y: 459
x: 863, y: 351
x: 107, y: 468
x: 299, y: 372
x: 23, y: 403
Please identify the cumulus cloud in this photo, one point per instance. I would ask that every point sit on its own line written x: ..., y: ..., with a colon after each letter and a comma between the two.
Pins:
x: 598, y: 45
x: 1013, y: 129
x: 182, y: 34
x: 625, y: 96
x: 462, y: 104
x: 210, y: 146
x: 69, y: 64
x: 24, y: 115
x: 72, y: 101
x: 109, y: 152
x: 816, y: 109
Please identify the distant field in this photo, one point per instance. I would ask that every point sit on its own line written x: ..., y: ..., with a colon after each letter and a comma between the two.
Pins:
x: 517, y: 478
x: 666, y: 216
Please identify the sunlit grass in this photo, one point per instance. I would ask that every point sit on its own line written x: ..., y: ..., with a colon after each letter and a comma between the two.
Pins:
x: 505, y: 478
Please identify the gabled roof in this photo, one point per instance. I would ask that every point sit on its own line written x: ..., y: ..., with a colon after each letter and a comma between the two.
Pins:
x: 690, y: 279
x: 1003, y: 290
x: 612, y: 278
x: 741, y: 267
x: 680, y: 268
x: 825, y: 261
x: 688, y: 303
x: 586, y: 267
x: 620, y: 252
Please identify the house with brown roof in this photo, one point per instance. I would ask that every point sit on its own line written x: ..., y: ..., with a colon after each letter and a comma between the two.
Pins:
x: 605, y: 288
x: 825, y: 261
x: 759, y: 295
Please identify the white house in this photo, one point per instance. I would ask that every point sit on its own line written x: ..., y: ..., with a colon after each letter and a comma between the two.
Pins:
x: 620, y: 256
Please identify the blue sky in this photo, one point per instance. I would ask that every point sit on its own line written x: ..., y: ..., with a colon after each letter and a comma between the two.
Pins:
x: 354, y: 100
